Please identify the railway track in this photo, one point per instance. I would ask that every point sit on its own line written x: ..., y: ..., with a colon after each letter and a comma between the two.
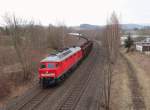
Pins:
x: 33, y: 102
x: 70, y: 101
x: 36, y: 100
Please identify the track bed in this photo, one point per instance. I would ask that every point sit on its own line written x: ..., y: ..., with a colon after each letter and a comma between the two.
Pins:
x: 71, y: 92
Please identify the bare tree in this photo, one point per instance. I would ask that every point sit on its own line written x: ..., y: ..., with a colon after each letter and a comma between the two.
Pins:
x: 56, y: 36
x: 111, y: 43
x: 23, y: 35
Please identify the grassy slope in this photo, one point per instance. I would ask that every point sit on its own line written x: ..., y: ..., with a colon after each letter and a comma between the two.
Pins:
x: 121, y: 94
x: 141, y: 63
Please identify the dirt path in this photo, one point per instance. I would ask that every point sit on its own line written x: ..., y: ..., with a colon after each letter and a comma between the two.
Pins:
x: 135, y: 87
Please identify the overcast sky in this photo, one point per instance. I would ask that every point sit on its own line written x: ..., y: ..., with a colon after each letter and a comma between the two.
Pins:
x: 75, y: 12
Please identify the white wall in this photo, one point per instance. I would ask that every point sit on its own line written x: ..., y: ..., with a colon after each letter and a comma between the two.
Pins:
x: 122, y: 40
x: 139, y: 47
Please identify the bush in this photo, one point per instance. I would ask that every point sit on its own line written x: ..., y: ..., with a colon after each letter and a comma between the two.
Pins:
x: 4, y: 88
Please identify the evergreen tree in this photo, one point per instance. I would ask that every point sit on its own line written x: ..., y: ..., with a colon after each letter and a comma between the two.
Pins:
x: 128, y: 42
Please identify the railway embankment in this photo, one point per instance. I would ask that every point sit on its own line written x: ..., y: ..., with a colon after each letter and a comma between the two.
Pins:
x: 120, y: 92
x: 140, y: 63
x: 130, y: 85
x: 138, y: 100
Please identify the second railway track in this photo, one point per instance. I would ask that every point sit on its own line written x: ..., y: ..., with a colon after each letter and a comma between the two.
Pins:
x: 36, y: 100
x: 70, y: 101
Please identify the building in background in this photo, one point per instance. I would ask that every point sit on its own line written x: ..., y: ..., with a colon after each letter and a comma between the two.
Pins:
x: 143, y: 46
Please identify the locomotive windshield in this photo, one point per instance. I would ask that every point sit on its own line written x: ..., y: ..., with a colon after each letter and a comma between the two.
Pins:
x: 43, y: 66
x: 50, y: 65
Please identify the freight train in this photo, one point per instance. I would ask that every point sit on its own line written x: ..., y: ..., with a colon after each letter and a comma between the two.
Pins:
x: 54, y: 67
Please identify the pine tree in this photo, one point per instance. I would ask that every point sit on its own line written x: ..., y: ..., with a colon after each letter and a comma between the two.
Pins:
x: 128, y: 42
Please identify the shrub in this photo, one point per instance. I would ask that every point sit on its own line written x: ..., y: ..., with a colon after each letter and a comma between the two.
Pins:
x: 4, y: 88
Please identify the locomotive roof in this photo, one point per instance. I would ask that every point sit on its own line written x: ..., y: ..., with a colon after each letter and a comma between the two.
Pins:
x: 60, y: 56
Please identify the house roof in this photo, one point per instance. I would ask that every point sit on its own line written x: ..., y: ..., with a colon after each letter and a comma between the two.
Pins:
x: 145, y: 41
x: 143, y: 44
x: 139, y: 39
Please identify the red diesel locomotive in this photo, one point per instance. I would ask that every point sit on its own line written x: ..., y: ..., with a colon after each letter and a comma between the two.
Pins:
x: 55, y: 66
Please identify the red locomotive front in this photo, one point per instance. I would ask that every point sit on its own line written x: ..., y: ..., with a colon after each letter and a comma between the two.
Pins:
x: 56, y: 65
x: 48, y: 69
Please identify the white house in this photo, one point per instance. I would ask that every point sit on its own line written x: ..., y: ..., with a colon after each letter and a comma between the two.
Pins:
x: 143, y: 46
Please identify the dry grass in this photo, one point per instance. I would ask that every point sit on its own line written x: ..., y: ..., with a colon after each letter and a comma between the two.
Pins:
x: 121, y: 94
x: 7, y: 55
x: 9, y: 90
x: 141, y: 62
x: 4, y: 88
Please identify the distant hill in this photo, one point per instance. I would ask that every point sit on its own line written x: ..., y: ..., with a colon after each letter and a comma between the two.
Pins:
x: 124, y: 26
x: 132, y: 26
x: 89, y: 26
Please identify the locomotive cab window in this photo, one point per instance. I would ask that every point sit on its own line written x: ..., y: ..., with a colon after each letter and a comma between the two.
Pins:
x: 51, y: 65
x: 42, y: 66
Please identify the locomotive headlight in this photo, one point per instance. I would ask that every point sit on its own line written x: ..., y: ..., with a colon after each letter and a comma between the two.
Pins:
x: 48, y: 74
x: 52, y: 74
